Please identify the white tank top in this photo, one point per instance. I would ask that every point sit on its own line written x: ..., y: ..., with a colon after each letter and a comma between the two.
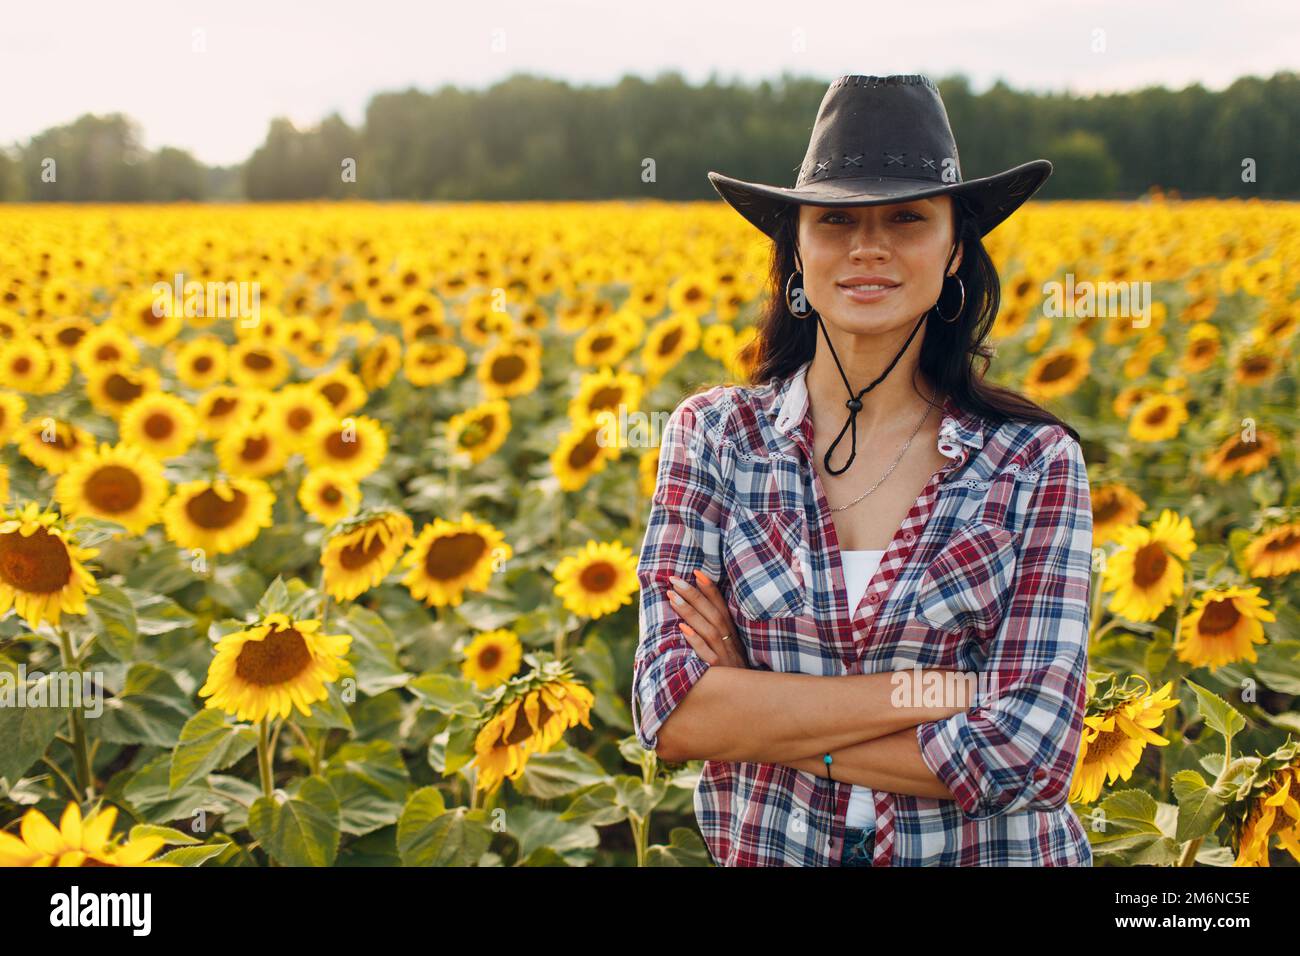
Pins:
x: 859, y: 569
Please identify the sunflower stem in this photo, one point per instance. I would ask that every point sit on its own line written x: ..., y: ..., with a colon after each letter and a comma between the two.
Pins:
x: 264, y: 758
x: 67, y: 781
x: 85, y: 779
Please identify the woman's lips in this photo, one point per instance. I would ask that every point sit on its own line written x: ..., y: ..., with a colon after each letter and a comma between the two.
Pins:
x: 865, y: 296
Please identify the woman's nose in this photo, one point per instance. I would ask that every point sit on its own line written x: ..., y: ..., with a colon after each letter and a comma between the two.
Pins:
x: 869, y: 239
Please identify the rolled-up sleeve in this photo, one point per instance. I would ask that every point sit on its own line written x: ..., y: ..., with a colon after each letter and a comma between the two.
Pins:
x: 682, y: 534
x: 1017, y: 750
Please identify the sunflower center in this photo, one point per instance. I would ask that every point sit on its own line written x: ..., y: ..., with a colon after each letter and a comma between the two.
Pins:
x: 1057, y: 368
x: 1108, y: 509
x: 210, y: 511
x: 1157, y: 415
x: 114, y: 489
x: 339, y: 448
x: 258, y: 361
x: 601, y: 343
x: 521, y: 730
x: 356, y: 555
x: 255, y: 448
x: 331, y: 495
x: 598, y: 577
x: 121, y: 389
x: 1284, y: 542
x: 1219, y: 617
x: 1105, y: 744
x: 203, y: 363
x: 454, y: 555
x: 276, y: 659
x: 22, y: 365
x: 670, y: 341
x: 1149, y: 565
x: 606, y: 398
x: 159, y: 426
x: 108, y: 353
x: 507, y: 369
x: 478, y: 431
x: 489, y: 657
x: 299, y: 419
x: 1239, y: 449
x: 1257, y: 365
x: 37, y: 564
x: 335, y: 392
x: 585, y: 452
x: 223, y: 406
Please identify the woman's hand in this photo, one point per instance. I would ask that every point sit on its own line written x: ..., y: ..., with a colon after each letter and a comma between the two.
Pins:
x: 706, y: 622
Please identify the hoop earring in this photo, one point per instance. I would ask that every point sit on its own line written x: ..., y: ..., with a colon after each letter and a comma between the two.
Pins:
x: 956, y: 315
x: 790, y: 303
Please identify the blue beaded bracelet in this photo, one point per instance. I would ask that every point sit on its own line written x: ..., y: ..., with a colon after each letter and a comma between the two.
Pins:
x: 827, y: 760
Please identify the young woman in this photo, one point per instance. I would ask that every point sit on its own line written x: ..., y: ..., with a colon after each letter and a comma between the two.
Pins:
x: 866, y: 516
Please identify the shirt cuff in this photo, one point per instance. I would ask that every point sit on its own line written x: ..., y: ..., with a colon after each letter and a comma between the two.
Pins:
x: 660, y: 689
x: 949, y: 749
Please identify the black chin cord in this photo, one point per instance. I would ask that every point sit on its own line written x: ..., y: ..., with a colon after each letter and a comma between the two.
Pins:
x: 854, y: 403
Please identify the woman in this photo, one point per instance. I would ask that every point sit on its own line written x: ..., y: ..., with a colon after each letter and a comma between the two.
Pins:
x: 798, y: 562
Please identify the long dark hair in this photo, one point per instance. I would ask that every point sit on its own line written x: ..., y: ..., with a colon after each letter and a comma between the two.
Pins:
x: 949, y: 351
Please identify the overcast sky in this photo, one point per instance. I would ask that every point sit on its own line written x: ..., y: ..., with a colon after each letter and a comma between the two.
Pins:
x: 209, y: 76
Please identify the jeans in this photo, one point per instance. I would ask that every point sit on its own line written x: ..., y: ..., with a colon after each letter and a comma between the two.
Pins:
x: 859, y: 845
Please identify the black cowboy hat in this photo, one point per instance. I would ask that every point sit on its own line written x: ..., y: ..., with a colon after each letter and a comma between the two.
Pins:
x: 883, y: 139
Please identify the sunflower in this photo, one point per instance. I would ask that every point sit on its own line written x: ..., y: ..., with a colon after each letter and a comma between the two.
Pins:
x: 295, y: 412
x: 1059, y: 371
x: 692, y: 294
x: 602, y: 344
x: 481, y: 430
x: 53, y: 444
x: 1114, y: 505
x: 354, y: 446
x: 253, y: 450
x: 718, y: 342
x: 648, y: 472
x: 432, y: 363
x: 328, y: 495
x: 492, y: 658
x: 341, y: 389
x: 1275, y: 552
x: 12, y: 409
x: 1202, y: 348
x: 380, y: 362
x: 1254, y: 366
x: 76, y: 842
x: 508, y: 372
x: 221, y: 407
x: 582, y: 452
x: 112, y: 389
x: 648, y: 298
x: 449, y: 558
x: 4, y: 482
x: 606, y: 390
x: 157, y: 318
x: 1118, y: 726
x: 1268, y: 809
x: 120, y: 483
x: 41, y: 574
x: 669, y: 342
x: 161, y: 424
x: 106, y: 346
x: 1143, y: 574
x: 202, y: 363
x: 259, y: 365
x: 527, y: 715
x: 274, y: 666
x: 598, y: 580
x: 28, y: 366
x: 360, y: 552
x: 218, y: 516
x: 1157, y: 418
x: 1237, y: 456
x: 1223, y: 625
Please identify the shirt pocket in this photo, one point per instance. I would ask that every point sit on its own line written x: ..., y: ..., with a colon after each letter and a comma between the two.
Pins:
x: 767, y: 562
x: 969, y: 581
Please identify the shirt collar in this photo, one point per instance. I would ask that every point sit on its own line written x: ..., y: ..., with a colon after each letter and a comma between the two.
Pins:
x: 788, y: 409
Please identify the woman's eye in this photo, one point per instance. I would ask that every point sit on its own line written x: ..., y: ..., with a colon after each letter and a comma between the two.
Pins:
x: 835, y: 217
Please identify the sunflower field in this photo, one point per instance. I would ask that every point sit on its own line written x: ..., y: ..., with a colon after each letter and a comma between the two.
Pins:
x: 320, y: 522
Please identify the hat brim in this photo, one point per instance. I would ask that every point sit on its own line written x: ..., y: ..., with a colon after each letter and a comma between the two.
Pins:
x: 991, y: 198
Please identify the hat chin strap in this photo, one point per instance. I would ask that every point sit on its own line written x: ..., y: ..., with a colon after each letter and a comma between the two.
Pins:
x: 854, y: 403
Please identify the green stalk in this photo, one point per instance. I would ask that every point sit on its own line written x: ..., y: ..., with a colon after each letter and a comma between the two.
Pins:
x: 85, y: 779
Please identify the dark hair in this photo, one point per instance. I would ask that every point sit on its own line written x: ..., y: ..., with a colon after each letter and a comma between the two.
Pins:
x: 948, y: 350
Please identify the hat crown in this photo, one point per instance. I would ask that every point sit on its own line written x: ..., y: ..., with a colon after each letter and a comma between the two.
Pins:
x: 883, y: 127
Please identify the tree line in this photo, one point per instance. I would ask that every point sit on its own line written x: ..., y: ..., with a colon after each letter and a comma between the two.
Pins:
x: 531, y: 137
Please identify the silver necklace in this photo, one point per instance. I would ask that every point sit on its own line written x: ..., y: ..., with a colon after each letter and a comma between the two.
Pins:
x: 906, y: 445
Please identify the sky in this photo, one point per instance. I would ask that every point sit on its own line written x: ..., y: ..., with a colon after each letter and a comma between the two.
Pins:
x: 209, y: 76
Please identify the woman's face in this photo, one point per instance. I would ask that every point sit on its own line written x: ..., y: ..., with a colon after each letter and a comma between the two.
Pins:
x: 904, y: 246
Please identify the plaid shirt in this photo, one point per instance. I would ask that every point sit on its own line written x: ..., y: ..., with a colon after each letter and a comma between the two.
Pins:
x: 989, y: 572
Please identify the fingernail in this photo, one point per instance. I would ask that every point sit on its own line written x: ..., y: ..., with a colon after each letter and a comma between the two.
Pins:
x: 674, y: 597
x: 687, y: 629
x: 702, y: 577
x: 678, y: 581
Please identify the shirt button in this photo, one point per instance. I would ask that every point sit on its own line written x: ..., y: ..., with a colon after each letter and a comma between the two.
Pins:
x: 908, y: 537
x: 1040, y: 773
x: 875, y: 598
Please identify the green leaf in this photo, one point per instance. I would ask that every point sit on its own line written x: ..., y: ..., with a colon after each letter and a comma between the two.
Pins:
x: 685, y: 848
x: 639, y: 797
x: 169, y: 834
x: 1219, y: 715
x: 301, y: 831
x: 597, y: 807
x: 210, y: 740
x: 558, y: 773
x: 329, y: 713
x: 373, y: 651
x: 446, y: 694
x: 1199, y: 805
x: 114, y: 617
x: 453, y: 746
x: 26, y: 732
x: 430, y: 835
x: 152, y: 709
x: 274, y: 600
x: 196, y: 855
x: 542, y: 830
x: 372, y: 784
